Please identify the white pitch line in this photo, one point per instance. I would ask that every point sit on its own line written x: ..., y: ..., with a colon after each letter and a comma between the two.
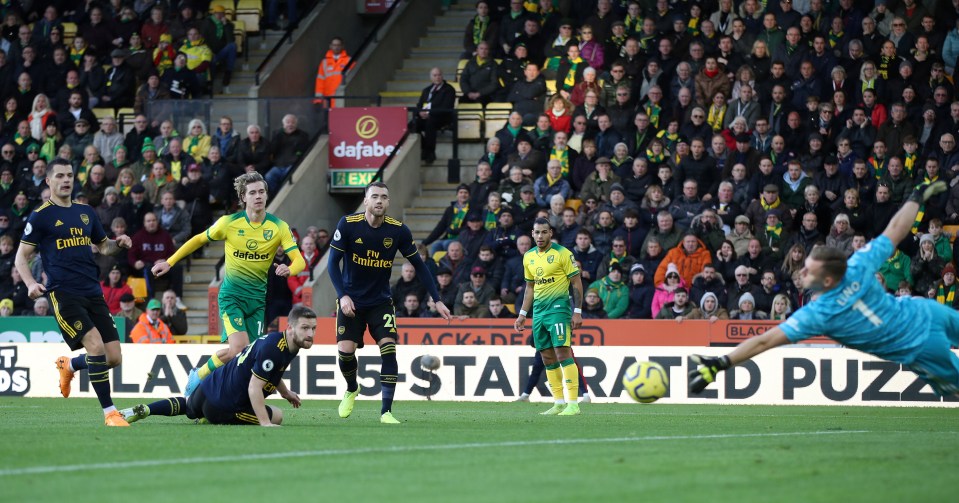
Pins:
x: 38, y: 470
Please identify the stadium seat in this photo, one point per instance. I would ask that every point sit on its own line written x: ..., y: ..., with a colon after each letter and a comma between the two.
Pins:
x: 456, y: 87
x: 459, y: 68
x: 102, y: 113
x: 496, y: 116
x: 139, y: 287
x: 574, y: 204
x: 510, y: 307
x: 550, y: 87
x: 438, y: 256
x: 470, y: 121
x: 227, y: 6
x: 239, y: 32
x: 69, y: 33
x: 250, y: 12
x: 951, y: 231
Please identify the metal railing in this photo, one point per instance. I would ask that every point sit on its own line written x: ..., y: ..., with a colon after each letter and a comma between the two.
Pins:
x: 373, y: 36
x: 286, y: 38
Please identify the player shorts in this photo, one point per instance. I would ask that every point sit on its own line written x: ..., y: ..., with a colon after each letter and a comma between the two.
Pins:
x: 76, y: 315
x: 551, y: 330
x: 241, y: 314
x: 199, y: 407
x: 380, y: 319
x: 937, y: 364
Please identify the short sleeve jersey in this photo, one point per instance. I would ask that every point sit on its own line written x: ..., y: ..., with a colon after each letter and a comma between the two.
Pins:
x: 368, y: 256
x: 549, y: 272
x: 266, y: 359
x: 249, y: 250
x: 63, y: 236
x: 860, y: 314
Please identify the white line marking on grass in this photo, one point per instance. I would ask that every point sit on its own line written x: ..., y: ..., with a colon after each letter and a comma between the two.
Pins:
x: 38, y: 470
x: 594, y: 412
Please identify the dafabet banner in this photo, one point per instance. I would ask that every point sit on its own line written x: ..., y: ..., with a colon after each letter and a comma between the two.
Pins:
x: 361, y: 139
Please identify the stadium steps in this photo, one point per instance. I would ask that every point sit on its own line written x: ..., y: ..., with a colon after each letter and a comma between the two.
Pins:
x: 244, y: 76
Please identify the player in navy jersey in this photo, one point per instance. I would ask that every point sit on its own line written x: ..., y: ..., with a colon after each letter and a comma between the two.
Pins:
x: 854, y: 309
x: 235, y: 392
x: 63, y: 231
x: 367, y: 243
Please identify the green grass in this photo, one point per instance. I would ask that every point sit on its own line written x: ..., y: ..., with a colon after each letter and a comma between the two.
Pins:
x: 495, y: 452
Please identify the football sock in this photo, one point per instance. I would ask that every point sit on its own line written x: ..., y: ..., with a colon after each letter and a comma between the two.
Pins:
x: 347, y: 363
x: 99, y: 374
x: 169, y: 407
x: 534, y: 374
x: 388, y: 375
x: 212, y: 364
x: 554, y: 374
x: 78, y: 363
x: 570, y: 378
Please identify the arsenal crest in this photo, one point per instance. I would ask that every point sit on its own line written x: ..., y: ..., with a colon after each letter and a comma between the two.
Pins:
x: 85, y: 219
x: 387, y: 242
x: 268, y: 234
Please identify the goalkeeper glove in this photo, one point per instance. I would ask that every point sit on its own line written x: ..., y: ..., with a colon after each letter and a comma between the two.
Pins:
x: 926, y: 191
x: 705, y: 372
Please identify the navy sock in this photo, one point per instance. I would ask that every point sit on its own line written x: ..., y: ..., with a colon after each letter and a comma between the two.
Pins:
x: 535, y: 373
x: 169, y: 407
x: 78, y: 362
x: 99, y: 374
x: 388, y: 375
x: 347, y: 363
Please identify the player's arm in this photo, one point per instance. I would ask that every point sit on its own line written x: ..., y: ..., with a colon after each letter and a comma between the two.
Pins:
x: 113, y: 246
x: 709, y: 366
x: 195, y: 243
x: 22, y: 263
x: 297, y: 264
x: 289, y: 395
x: 255, y: 391
x: 577, y: 283
x: 526, y: 307
x: 901, y: 224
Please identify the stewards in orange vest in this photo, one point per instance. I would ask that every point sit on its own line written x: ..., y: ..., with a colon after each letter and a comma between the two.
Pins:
x: 329, y: 75
x: 150, y: 329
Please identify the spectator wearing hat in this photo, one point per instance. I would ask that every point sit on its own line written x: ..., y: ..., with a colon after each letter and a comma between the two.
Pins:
x: 80, y: 138
x: 115, y: 288
x: 525, y: 209
x: 135, y: 139
x: 742, y: 285
x: 666, y: 289
x: 530, y: 160
x: 599, y: 184
x: 926, y: 267
x: 773, y: 236
x: 746, y: 305
x: 613, y: 291
x: 769, y: 200
x: 680, y: 308
x: 446, y: 287
x: 6, y: 308
x: 135, y: 208
x: 182, y: 82
x: 217, y: 31
x: 150, y: 329
x: 120, y: 82
x: 9, y: 187
x: 641, y: 293
x: 149, y: 92
x: 473, y: 235
x: 164, y: 54
x: 618, y: 204
x: 452, y: 221
x: 946, y: 289
x: 478, y: 285
x: 130, y: 312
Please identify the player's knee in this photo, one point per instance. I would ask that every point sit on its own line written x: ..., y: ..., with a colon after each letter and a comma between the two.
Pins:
x: 276, y: 416
x: 114, y: 360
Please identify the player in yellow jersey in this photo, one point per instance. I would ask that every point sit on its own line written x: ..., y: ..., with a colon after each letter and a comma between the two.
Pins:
x: 548, y: 268
x: 251, y: 239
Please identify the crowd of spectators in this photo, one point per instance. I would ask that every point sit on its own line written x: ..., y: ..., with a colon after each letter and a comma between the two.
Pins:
x: 154, y: 184
x: 691, y: 154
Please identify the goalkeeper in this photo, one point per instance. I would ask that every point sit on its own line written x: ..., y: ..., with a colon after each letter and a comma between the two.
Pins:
x: 855, y: 310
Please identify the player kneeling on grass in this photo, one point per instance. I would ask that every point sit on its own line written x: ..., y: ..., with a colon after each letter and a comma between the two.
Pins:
x: 856, y: 311
x: 235, y: 392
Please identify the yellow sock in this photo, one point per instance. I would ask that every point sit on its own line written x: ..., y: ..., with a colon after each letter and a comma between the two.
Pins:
x: 212, y: 364
x: 571, y: 379
x: 554, y: 376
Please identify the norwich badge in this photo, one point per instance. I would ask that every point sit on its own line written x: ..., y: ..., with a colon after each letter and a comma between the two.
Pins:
x: 268, y: 234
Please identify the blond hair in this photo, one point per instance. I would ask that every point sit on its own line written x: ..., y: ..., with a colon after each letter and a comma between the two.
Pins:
x: 242, y: 181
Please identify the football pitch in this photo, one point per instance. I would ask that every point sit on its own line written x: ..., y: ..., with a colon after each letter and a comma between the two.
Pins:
x: 58, y: 450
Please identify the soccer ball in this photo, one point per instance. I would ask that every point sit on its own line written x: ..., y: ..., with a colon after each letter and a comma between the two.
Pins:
x: 646, y: 382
